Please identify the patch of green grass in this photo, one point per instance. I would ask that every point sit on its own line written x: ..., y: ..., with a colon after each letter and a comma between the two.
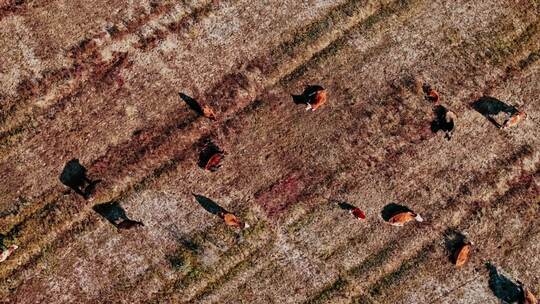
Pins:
x: 193, y: 274
x: 255, y: 230
x: 452, y: 36
x: 363, y: 299
x: 302, y: 222
x: 176, y: 262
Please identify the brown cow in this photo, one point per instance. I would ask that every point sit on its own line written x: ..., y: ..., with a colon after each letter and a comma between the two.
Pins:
x: 314, y: 96
x: 233, y: 221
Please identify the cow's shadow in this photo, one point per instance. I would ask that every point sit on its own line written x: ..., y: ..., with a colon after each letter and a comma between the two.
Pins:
x: 345, y: 205
x: 209, y: 205
x: 192, y: 104
x: 440, y: 122
x: 2, y: 245
x: 504, y: 288
x: 116, y: 215
x: 490, y: 107
x: 74, y: 176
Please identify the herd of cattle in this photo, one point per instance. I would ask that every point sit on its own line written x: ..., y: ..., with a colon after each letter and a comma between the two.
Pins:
x: 499, y: 113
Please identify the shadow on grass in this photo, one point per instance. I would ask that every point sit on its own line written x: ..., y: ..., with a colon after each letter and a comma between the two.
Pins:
x: 2, y: 245
x: 192, y: 103
x: 440, y: 122
x: 116, y: 215
x: 503, y: 287
x: 74, y: 176
x: 209, y: 205
x: 346, y: 206
x: 490, y: 107
x: 181, y: 238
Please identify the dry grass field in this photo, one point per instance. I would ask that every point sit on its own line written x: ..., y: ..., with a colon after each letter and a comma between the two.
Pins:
x: 100, y: 81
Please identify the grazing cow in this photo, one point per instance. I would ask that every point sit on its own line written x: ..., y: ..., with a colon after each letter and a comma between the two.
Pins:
x: 314, y: 96
x: 355, y: 211
x: 462, y: 255
x: 398, y: 215
x: 208, y: 112
x: 444, y: 121
x: 233, y: 221
x: 515, y: 119
x: 527, y: 296
x: 203, y: 110
x: 212, y: 207
x: 74, y: 176
x: 491, y: 108
x: 404, y: 217
x: 210, y: 157
x: 214, y: 162
x: 431, y: 94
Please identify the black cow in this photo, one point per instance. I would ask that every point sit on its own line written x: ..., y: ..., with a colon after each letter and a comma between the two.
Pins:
x: 74, y: 176
x: 491, y: 107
